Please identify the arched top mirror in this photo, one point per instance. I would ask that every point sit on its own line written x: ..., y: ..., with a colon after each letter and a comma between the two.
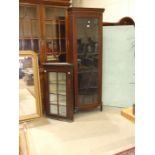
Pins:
x: 119, y: 63
x: 29, y: 86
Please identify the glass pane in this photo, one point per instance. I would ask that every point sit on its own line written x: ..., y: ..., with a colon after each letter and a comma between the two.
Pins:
x: 49, y: 12
x: 51, y: 30
x: 27, y: 44
x: 20, y: 44
x: 63, y: 45
x: 54, y: 13
x: 87, y: 44
x: 52, y: 77
x: 35, y: 45
x: 62, y: 29
x: 62, y: 83
x: 20, y: 28
x: 62, y: 89
x: 31, y: 12
x: 62, y: 110
x: 52, y: 46
x: 62, y: 100
x: 21, y: 11
x: 52, y: 49
x: 53, y: 109
x: 53, y: 88
x: 60, y: 13
x: 62, y: 78
x: 35, y: 29
x: 53, y: 98
x: 27, y: 28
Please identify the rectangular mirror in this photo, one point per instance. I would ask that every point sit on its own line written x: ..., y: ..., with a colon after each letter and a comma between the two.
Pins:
x: 29, y: 86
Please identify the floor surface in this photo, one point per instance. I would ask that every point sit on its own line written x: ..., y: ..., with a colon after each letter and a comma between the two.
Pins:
x: 91, y: 133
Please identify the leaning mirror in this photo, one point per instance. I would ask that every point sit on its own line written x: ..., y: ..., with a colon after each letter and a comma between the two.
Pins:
x: 29, y: 86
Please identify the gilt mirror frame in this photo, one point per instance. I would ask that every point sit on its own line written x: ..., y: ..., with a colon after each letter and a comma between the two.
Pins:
x: 37, y: 89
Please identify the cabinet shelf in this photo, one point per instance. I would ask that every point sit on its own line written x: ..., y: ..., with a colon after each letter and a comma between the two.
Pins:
x: 58, y: 38
x: 22, y: 18
x: 55, y: 93
x: 87, y: 71
x: 29, y: 38
x: 58, y: 104
x: 88, y: 54
x: 56, y: 21
x: 88, y: 88
x: 60, y: 83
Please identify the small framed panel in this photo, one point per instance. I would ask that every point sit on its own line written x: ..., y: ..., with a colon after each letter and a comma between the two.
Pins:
x: 59, y: 90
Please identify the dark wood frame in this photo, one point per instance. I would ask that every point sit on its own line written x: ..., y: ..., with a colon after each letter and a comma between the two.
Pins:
x: 74, y: 13
x: 68, y: 69
x: 48, y: 2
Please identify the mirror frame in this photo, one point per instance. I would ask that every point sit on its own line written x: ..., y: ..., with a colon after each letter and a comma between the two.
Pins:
x: 36, y: 85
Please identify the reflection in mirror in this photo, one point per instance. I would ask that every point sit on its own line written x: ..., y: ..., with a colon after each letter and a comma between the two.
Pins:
x: 29, y: 86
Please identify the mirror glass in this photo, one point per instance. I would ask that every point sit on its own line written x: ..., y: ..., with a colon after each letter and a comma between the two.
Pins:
x: 29, y: 86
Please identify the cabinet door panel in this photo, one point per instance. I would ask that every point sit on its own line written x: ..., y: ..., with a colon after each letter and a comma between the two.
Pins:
x: 27, y: 28
x: 59, y: 99
x: 55, y: 37
x: 35, y: 45
x: 27, y: 44
x: 20, y: 28
x: 35, y: 28
x: 62, y: 100
x: 53, y: 109
x: 31, y: 11
x: 87, y: 59
x: 62, y: 110
x: 53, y: 98
x: 51, y: 30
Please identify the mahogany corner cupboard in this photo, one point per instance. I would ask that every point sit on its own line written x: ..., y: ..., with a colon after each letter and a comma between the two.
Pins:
x: 58, y: 78
x: 85, y: 52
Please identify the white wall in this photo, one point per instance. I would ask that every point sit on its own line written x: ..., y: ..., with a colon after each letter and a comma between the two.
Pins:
x: 114, y: 9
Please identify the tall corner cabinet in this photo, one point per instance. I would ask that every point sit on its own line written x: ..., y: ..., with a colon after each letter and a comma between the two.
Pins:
x: 85, y: 52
